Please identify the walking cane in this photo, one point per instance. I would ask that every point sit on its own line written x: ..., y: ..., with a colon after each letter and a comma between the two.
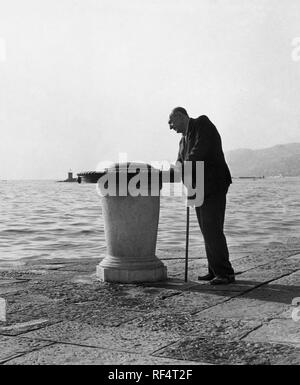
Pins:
x: 187, y: 242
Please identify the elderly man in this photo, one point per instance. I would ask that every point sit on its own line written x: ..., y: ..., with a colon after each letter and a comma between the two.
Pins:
x: 201, y: 142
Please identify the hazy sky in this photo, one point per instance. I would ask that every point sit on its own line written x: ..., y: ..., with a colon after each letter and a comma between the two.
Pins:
x: 82, y: 80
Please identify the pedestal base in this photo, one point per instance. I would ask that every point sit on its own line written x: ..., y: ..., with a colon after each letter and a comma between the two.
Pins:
x: 126, y: 270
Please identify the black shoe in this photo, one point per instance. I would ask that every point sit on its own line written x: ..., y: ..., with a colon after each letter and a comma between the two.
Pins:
x: 223, y: 280
x: 207, y: 277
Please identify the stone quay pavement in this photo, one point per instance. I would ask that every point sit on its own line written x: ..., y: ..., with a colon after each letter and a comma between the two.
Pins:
x: 58, y: 313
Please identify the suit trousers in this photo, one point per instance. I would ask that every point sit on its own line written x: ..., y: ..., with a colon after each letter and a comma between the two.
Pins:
x: 211, y: 221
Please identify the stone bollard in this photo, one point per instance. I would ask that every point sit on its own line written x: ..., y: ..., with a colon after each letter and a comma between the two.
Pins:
x: 131, y: 224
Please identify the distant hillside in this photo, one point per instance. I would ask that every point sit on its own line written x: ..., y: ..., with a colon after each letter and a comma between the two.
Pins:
x: 282, y: 159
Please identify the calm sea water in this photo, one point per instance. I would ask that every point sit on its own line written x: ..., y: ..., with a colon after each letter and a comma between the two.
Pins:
x: 53, y: 220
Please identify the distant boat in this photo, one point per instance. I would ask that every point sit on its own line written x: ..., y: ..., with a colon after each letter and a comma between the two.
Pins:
x: 250, y: 177
x: 70, y: 178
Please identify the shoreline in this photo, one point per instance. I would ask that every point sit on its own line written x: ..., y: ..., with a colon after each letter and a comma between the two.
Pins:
x: 58, y: 313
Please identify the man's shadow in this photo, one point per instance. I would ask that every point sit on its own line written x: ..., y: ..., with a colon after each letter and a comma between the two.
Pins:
x: 241, y: 288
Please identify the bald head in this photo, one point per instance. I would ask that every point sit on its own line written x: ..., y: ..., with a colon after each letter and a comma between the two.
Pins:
x: 179, y: 120
x: 181, y: 110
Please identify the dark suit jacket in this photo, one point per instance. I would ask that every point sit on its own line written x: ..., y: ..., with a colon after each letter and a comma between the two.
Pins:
x: 203, y: 143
